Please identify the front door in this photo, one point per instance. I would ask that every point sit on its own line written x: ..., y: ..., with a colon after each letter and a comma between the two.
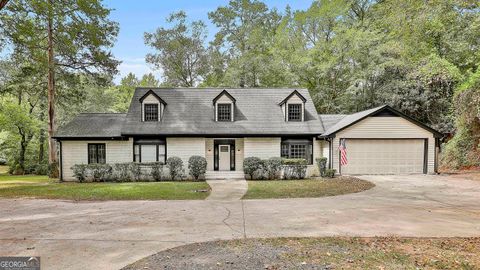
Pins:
x: 224, y: 157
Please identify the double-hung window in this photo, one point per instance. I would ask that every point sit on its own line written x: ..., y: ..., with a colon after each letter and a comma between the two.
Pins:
x: 145, y: 151
x: 96, y: 153
x: 294, y: 112
x: 297, y: 148
x: 224, y: 112
x: 150, y: 112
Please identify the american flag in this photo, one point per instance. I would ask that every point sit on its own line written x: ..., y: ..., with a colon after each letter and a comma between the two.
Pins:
x: 343, y: 152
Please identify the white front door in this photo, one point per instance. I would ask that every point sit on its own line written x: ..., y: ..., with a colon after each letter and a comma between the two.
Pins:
x: 224, y: 157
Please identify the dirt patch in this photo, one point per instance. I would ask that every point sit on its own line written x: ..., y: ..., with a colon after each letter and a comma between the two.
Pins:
x: 321, y: 253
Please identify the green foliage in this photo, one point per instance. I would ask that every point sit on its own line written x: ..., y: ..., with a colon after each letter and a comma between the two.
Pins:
x: 322, y: 165
x: 251, y: 165
x: 156, y: 171
x: 121, y: 171
x: 463, y: 150
x: 273, y: 167
x: 180, y: 52
x: 80, y: 172
x: 197, y: 166
x: 99, y: 172
x: 330, y: 173
x: 135, y: 170
x: 294, y: 168
x: 175, y: 167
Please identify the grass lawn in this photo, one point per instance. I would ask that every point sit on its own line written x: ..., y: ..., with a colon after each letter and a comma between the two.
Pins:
x: 308, y: 188
x: 34, y: 186
x: 321, y: 253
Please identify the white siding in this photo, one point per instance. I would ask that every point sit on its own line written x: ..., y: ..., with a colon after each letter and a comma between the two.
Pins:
x: 312, y: 170
x: 76, y: 152
x: 239, y: 152
x: 184, y: 148
x: 385, y: 128
x: 263, y: 147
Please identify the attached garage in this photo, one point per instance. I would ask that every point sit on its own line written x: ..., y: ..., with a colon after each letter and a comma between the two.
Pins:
x: 384, y: 156
x: 383, y: 141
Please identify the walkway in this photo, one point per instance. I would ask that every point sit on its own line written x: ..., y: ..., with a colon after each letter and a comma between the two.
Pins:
x: 227, y: 190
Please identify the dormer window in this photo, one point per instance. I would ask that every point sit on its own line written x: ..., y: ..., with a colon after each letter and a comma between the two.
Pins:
x: 224, y: 112
x: 224, y: 107
x: 153, y: 107
x: 294, y: 112
x: 293, y: 107
x: 151, y: 112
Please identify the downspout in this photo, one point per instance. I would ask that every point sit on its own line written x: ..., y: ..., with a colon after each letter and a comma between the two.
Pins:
x: 61, y: 161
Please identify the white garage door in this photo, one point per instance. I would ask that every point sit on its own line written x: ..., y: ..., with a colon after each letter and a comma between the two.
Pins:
x: 384, y: 156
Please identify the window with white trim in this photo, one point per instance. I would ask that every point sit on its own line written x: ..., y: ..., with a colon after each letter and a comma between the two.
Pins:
x: 150, y: 112
x: 294, y: 112
x: 297, y: 148
x: 224, y: 112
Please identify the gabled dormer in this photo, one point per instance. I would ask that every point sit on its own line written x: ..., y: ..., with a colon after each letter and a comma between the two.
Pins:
x: 224, y: 107
x: 293, y: 107
x: 152, y: 107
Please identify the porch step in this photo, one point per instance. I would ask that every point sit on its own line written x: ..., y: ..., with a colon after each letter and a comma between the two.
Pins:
x: 218, y: 175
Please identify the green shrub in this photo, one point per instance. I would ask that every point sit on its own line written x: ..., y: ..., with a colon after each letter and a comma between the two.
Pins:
x: 273, y: 167
x: 100, y: 172
x: 294, y: 168
x: 197, y: 166
x: 135, y: 170
x: 41, y: 169
x: 322, y: 165
x: 330, y: 173
x: 251, y: 165
x: 80, y: 172
x: 175, y: 167
x: 156, y: 171
x: 121, y: 172
x: 3, y: 161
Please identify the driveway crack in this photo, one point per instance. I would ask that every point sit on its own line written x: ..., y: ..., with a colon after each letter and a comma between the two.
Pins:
x: 226, y: 218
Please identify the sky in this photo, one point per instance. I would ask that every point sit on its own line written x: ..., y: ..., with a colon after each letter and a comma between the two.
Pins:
x: 138, y: 16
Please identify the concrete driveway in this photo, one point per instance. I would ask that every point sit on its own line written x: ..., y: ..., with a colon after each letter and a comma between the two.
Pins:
x: 109, y: 235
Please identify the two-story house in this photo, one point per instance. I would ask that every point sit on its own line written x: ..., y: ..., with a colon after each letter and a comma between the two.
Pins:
x: 227, y: 125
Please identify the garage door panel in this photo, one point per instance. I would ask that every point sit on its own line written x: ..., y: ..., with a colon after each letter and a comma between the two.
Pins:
x: 380, y: 156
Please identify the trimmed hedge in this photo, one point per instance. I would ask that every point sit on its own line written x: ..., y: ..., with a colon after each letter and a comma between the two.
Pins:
x: 330, y: 173
x: 272, y: 168
x: 197, y: 166
x: 127, y: 172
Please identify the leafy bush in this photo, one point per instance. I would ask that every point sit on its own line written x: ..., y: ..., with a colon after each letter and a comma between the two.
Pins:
x: 330, y: 173
x: 175, y: 167
x: 251, y: 165
x: 273, y: 167
x: 197, y: 166
x: 121, y: 171
x: 3, y: 161
x: 100, y: 172
x: 80, y: 172
x: 136, y: 171
x: 322, y: 165
x: 41, y: 169
x: 156, y: 171
x: 295, y: 168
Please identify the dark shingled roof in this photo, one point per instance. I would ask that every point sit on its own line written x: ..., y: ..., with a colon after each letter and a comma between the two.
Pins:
x: 93, y: 125
x: 190, y: 112
x: 328, y: 120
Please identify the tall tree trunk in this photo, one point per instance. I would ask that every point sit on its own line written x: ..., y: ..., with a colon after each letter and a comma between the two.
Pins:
x: 41, y: 137
x: 52, y: 151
